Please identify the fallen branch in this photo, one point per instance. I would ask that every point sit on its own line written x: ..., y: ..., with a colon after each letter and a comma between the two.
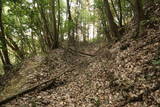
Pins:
x: 82, y: 53
x: 38, y: 87
x: 76, y: 51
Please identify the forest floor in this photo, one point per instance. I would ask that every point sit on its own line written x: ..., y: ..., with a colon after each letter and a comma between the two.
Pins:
x: 124, y: 74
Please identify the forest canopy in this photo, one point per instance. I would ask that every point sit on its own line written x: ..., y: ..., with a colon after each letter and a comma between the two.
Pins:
x: 30, y: 27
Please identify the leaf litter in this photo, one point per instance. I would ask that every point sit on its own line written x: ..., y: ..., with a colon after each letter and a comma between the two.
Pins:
x: 122, y: 75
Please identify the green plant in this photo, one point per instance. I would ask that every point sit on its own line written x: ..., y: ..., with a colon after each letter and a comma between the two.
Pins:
x: 156, y: 62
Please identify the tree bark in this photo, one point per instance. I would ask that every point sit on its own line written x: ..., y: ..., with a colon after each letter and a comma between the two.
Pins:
x: 4, y: 51
x: 120, y: 13
x: 55, y: 30
x: 106, y: 31
x: 47, y: 34
x: 12, y: 44
x: 70, y: 20
x: 138, y: 15
x: 59, y: 18
x: 115, y: 11
x: 112, y: 25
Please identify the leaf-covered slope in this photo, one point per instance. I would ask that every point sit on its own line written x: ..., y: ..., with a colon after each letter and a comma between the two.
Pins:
x: 37, y: 70
x: 126, y: 74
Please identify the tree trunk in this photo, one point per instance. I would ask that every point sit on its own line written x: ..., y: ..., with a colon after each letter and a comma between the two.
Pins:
x: 59, y: 18
x: 112, y: 25
x: 105, y: 29
x: 55, y: 32
x: 47, y: 34
x: 138, y: 15
x: 115, y: 11
x: 12, y: 44
x: 4, y: 51
x: 120, y: 13
x: 70, y: 32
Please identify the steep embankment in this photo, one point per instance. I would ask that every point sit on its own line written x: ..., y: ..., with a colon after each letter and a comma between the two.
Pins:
x: 123, y: 75
x: 39, y: 71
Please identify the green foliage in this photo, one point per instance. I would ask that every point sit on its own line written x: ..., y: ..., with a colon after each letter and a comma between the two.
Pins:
x: 154, y: 19
x: 68, y: 25
x: 156, y: 62
x: 96, y: 102
x: 1, y: 45
x: 30, y: 23
x: 144, y: 22
x: 84, y: 15
x: 98, y: 3
x: 97, y: 39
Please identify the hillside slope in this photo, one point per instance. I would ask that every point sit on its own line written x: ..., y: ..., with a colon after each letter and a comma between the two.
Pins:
x: 125, y: 74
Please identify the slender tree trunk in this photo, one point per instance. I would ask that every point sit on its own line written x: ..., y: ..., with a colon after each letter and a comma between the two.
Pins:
x: 41, y: 39
x: 34, y: 51
x: 105, y: 29
x: 55, y: 31
x: 138, y: 15
x: 12, y: 44
x: 115, y: 11
x: 47, y: 34
x: 4, y: 51
x: 59, y: 18
x: 84, y: 32
x: 120, y: 13
x: 77, y: 21
x: 70, y: 31
x: 112, y: 25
